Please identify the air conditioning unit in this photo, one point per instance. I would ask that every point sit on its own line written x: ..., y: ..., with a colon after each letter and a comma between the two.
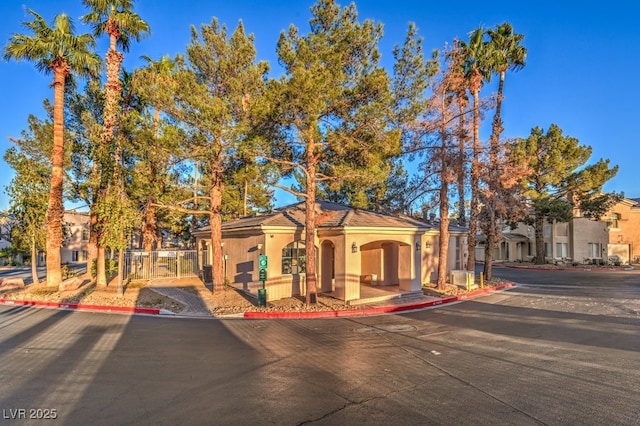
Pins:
x: 465, y: 279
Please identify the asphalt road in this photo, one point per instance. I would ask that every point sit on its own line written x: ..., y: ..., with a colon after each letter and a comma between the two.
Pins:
x: 24, y: 272
x: 557, y: 351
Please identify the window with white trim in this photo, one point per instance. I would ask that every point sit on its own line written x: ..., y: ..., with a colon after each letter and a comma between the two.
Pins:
x: 562, y: 250
x: 294, y: 258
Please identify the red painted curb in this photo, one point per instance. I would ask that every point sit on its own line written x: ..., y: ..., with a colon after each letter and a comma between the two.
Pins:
x: 375, y: 311
x: 80, y: 306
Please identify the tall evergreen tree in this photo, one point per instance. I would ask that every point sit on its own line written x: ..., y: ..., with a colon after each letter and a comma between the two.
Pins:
x: 216, y: 95
x: 154, y: 147
x: 59, y: 51
x: 560, y: 180
x: 335, y: 104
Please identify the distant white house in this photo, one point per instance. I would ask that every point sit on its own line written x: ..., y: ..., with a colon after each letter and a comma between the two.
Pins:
x: 582, y: 240
x: 75, y: 245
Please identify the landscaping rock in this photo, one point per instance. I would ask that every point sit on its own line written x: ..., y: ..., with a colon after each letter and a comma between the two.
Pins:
x: 11, y: 283
x: 71, y: 284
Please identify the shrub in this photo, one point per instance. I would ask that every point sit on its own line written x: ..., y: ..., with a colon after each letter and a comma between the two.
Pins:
x: 111, y: 267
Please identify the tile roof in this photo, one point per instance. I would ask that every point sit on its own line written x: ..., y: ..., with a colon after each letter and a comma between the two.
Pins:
x: 328, y: 215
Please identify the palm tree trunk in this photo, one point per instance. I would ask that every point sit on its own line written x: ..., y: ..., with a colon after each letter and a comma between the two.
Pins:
x: 475, y: 179
x: 462, y: 217
x: 55, y: 208
x: 490, y: 245
x: 444, y: 199
x: 494, y: 183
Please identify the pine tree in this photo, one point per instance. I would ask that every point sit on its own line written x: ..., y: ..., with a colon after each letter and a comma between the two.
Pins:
x: 335, y: 106
x: 216, y: 95
x: 560, y: 180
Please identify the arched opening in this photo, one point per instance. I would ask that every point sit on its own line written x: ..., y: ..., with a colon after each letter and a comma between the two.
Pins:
x: 327, y: 267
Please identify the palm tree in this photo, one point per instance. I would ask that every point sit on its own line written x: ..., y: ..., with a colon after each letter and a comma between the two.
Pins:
x: 55, y: 50
x: 504, y: 53
x: 116, y: 19
x: 458, y: 87
x: 475, y: 66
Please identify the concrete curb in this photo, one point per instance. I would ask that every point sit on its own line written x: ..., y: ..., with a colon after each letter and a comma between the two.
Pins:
x: 262, y: 315
x: 377, y: 310
x: 82, y: 307
x: 586, y: 268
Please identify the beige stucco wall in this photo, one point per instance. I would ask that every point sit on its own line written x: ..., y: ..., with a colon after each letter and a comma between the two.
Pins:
x: 430, y: 261
x: 587, y: 231
x: 395, y: 256
x: 628, y: 229
x: 75, y: 223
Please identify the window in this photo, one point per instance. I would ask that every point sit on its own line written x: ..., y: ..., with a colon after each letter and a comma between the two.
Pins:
x: 85, y: 234
x: 594, y: 250
x: 612, y: 220
x: 85, y: 255
x: 74, y: 256
x: 546, y: 230
x: 294, y: 258
x: 547, y: 250
x: 562, y: 250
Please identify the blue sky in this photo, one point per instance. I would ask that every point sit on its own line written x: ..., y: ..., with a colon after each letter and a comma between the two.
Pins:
x: 581, y: 70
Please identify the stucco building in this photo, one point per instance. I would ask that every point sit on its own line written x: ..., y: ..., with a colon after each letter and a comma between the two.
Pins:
x: 623, y: 221
x: 582, y: 240
x: 76, y: 237
x: 354, y: 248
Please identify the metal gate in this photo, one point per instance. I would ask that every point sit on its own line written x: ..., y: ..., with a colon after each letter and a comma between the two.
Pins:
x: 142, y: 265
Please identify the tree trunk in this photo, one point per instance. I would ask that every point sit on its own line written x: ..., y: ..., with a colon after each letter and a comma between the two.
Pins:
x: 489, y: 246
x: 92, y: 246
x: 445, y: 176
x: 148, y: 237
x: 443, y: 250
x: 462, y: 217
x: 494, y: 183
x: 120, y: 272
x: 34, y: 263
x: 310, y: 226
x: 101, y: 270
x: 244, y: 198
x: 149, y: 227
x: 475, y: 178
x: 215, y: 221
x: 539, y: 231
x: 55, y: 208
